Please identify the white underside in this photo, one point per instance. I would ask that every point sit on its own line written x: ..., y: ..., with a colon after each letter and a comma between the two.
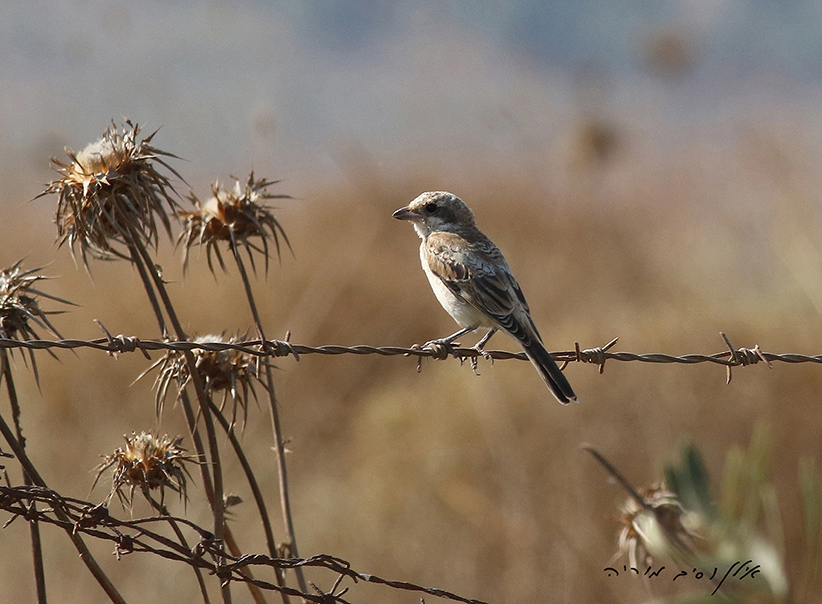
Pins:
x: 464, y: 314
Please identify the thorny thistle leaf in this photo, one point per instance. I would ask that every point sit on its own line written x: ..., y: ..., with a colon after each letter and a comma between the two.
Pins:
x: 235, y: 216
x: 19, y: 310
x: 111, y: 194
x: 230, y: 371
x: 147, y: 463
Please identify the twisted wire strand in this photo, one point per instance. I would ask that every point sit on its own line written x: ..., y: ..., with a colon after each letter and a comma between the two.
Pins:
x: 137, y: 535
x: 141, y: 535
x: 732, y: 357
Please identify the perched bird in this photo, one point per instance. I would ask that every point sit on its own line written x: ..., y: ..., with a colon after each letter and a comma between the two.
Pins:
x: 472, y: 281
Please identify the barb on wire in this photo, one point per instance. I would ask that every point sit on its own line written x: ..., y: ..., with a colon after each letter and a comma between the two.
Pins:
x: 121, y: 343
x: 733, y: 357
x: 744, y: 356
x: 143, y: 535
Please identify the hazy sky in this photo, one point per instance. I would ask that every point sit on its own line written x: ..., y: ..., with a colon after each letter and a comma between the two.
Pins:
x: 281, y: 85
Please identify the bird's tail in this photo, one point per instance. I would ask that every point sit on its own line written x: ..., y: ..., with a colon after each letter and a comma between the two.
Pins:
x: 550, y: 372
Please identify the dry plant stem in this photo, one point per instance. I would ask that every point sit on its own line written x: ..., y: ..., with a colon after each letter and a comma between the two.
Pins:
x: 284, y: 498
x: 85, y: 554
x: 191, y: 421
x: 34, y: 527
x: 163, y: 511
x: 636, y: 496
x: 152, y: 297
x: 257, y: 493
x: 191, y: 418
x: 234, y: 550
x: 275, y: 423
x: 216, y: 467
x: 37, y: 554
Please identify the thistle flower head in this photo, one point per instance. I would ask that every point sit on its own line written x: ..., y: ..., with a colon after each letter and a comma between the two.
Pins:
x: 647, y: 531
x: 236, y: 216
x: 111, y: 194
x: 19, y: 311
x: 148, y: 463
x: 223, y: 369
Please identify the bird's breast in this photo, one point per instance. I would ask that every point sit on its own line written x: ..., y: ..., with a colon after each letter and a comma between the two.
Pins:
x: 463, y: 313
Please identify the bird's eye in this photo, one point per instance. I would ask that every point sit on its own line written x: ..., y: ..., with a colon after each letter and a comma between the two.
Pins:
x: 430, y: 208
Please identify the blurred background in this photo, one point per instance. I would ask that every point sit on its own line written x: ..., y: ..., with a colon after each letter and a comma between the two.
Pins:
x: 650, y: 169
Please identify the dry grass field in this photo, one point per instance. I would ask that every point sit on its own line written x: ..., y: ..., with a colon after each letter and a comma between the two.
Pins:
x: 474, y: 484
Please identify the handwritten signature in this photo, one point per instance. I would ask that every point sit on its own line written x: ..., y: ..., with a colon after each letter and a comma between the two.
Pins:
x: 750, y: 571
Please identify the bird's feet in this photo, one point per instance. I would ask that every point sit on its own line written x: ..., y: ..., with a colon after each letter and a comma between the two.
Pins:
x: 480, y: 348
x: 480, y: 353
x: 439, y: 349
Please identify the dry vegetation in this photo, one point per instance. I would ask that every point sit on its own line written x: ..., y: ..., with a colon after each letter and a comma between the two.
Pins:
x: 473, y: 484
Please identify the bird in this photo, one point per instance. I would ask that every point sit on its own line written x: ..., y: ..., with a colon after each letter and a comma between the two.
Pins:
x: 473, y: 283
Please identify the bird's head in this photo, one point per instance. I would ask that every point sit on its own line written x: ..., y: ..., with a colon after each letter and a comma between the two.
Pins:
x: 437, y: 211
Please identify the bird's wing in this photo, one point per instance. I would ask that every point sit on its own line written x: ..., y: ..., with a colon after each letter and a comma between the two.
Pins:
x: 476, y: 272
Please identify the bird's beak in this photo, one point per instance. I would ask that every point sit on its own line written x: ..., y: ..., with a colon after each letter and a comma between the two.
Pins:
x: 405, y: 213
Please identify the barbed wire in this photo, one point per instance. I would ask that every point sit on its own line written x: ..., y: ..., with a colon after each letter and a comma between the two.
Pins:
x: 42, y: 505
x: 732, y: 357
x: 141, y: 535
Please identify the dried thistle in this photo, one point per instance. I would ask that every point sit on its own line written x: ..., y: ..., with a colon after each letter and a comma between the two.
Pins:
x: 147, y: 463
x: 646, y: 530
x: 112, y: 193
x: 235, y: 216
x: 230, y: 371
x: 19, y: 310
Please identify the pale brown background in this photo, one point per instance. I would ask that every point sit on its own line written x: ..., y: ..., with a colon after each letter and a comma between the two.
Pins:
x: 659, y: 198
